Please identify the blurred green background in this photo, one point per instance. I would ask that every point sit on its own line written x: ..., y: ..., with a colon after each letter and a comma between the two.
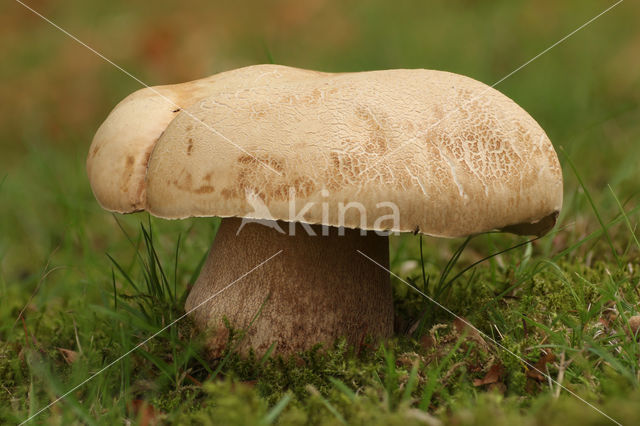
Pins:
x: 54, y: 94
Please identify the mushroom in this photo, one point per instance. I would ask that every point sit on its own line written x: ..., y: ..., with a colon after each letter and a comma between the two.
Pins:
x: 309, y: 172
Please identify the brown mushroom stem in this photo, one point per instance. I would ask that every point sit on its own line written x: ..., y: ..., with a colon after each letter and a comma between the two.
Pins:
x: 317, y: 290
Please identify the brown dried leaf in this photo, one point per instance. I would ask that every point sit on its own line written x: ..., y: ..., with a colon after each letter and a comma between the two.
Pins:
x: 144, y: 411
x: 634, y: 324
x: 427, y: 342
x: 492, y: 376
x: 463, y: 326
x: 69, y: 356
x: 541, y: 366
x: 607, y: 318
x: 194, y: 380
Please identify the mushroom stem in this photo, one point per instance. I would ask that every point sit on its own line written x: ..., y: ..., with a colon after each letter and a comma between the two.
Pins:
x: 317, y: 290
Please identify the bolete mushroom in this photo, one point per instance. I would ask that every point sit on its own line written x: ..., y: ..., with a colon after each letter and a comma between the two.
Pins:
x: 322, y: 157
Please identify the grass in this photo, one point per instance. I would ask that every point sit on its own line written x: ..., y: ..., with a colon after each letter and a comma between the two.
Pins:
x: 80, y: 287
x: 562, y: 306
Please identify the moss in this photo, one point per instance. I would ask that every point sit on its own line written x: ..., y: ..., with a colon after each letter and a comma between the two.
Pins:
x: 560, y: 305
x: 249, y: 388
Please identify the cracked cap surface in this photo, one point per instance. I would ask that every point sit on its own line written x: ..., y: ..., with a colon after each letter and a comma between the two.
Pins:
x: 454, y: 156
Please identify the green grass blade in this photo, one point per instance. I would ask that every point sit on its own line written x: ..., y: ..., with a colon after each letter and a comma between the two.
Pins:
x: 342, y: 387
x: 277, y: 409
x: 593, y: 205
x: 625, y: 217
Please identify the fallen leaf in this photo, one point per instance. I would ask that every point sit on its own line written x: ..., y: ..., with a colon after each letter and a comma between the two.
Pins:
x: 463, y: 326
x: 540, y: 366
x: 492, y: 376
x: 299, y: 361
x: 69, y: 356
x: 634, y: 324
x: 144, y: 411
x: 427, y: 342
x: 608, y: 317
x: 194, y: 380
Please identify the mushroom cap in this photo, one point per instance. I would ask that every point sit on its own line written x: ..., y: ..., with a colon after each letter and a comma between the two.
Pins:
x: 449, y: 155
x: 119, y: 154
